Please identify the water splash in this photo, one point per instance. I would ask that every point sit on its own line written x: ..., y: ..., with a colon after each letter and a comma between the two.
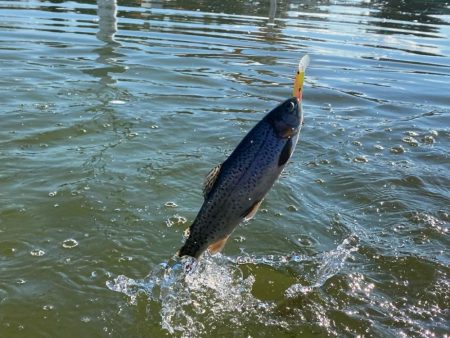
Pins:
x: 194, y: 298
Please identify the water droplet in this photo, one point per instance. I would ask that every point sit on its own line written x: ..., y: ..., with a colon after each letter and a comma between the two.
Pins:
x: 360, y: 159
x: 21, y: 281
x: 48, y: 307
x: 52, y: 193
x: 186, y: 232
x: 85, y: 319
x: 297, y: 289
x: 170, y: 205
x: 378, y: 147
x: 398, y: 149
x: 176, y: 220
x: 117, y: 102
x: 292, y: 208
x: 37, y: 252
x: 239, y: 239
x: 428, y: 139
x: 125, y: 259
x: 69, y: 243
x: 410, y: 141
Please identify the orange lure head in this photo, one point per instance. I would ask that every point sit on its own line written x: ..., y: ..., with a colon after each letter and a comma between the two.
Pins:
x: 300, y: 77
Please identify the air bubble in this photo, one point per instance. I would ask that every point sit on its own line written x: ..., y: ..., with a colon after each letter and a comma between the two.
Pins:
x: 411, y: 133
x: 398, y: 149
x: 410, y: 141
x: 48, y: 307
x: 69, y: 243
x: 378, y: 147
x: 292, y: 208
x: 428, y: 139
x: 85, y: 319
x: 37, y: 252
x: 176, y: 220
x: 360, y: 159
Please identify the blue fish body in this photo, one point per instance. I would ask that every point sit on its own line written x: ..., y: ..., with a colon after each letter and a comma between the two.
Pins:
x: 234, y: 190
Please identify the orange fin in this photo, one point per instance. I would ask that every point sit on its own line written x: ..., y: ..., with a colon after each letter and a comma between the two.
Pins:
x: 248, y: 215
x: 218, y: 246
x: 210, y: 179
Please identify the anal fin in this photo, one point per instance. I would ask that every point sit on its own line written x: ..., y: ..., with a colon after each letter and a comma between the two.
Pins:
x: 250, y: 212
x: 217, y: 246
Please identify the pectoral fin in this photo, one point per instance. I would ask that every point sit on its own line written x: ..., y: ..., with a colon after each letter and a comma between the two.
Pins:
x: 210, y: 179
x: 250, y: 212
x: 286, y: 152
x: 218, y: 246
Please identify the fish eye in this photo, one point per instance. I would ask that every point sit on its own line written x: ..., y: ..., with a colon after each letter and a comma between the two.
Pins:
x: 291, y: 107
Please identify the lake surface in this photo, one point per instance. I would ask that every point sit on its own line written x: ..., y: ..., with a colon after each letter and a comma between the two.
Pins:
x: 111, y: 116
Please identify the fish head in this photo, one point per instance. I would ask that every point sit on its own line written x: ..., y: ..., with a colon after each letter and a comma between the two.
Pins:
x: 287, y: 118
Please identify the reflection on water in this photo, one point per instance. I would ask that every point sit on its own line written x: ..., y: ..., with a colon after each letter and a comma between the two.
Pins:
x: 113, y: 112
x: 107, y: 20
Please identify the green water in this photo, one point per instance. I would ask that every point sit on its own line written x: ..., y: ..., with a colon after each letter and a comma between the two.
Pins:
x: 111, y: 117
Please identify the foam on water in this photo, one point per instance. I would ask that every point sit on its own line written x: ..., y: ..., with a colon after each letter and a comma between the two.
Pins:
x: 218, y: 290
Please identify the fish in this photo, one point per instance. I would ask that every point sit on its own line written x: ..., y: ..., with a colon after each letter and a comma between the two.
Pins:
x: 234, y: 190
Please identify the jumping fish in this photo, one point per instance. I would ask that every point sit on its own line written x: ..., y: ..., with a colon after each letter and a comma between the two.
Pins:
x: 234, y: 190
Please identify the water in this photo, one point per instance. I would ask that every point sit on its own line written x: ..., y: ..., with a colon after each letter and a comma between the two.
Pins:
x: 112, y: 115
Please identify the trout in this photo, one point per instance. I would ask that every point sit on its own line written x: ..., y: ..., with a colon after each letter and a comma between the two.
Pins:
x: 234, y: 190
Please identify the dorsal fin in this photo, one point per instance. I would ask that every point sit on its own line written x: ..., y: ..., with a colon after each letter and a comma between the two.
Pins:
x: 210, y: 179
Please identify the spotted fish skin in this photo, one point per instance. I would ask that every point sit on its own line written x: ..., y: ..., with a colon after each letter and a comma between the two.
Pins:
x: 245, y: 177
